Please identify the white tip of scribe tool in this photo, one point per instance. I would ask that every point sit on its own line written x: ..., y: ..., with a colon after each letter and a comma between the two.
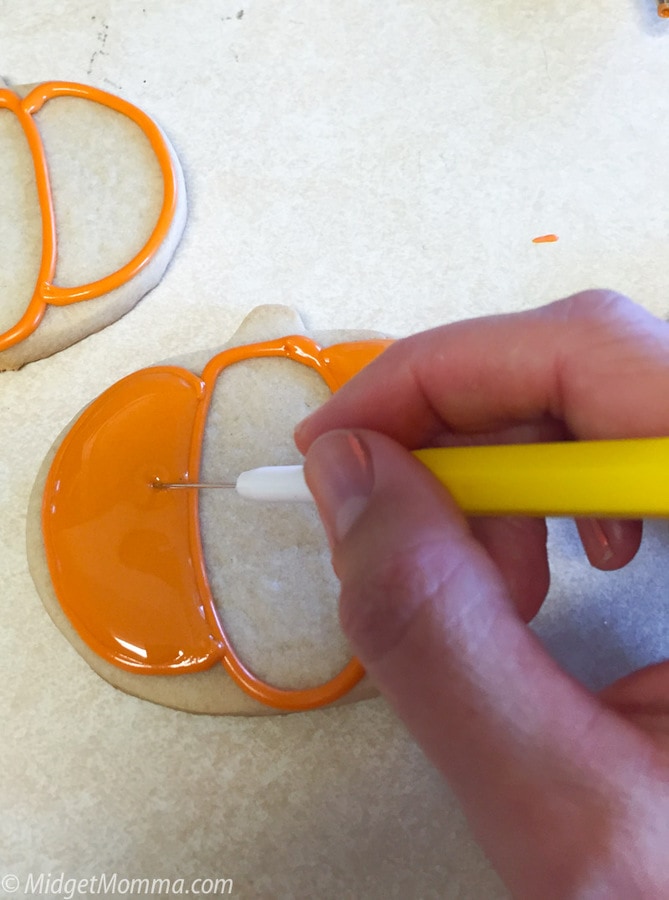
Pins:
x: 274, y: 483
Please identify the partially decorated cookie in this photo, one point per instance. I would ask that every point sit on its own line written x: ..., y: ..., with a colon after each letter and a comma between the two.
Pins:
x: 92, y: 206
x: 194, y: 598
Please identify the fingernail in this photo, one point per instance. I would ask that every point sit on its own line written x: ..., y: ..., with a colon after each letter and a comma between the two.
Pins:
x: 339, y: 473
x: 600, y: 536
x: 299, y: 431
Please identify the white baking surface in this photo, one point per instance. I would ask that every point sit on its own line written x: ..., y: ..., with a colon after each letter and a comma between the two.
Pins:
x: 378, y: 166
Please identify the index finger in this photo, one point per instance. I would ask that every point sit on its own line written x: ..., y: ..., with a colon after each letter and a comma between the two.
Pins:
x: 595, y: 361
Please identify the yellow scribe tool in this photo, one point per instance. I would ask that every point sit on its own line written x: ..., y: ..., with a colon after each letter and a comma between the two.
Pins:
x: 620, y: 478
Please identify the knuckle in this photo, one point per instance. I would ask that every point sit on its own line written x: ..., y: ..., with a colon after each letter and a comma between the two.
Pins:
x: 606, y: 335
x: 598, y: 306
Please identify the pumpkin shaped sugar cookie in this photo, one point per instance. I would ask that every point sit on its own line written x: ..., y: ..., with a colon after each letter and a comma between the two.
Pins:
x: 92, y: 206
x: 196, y: 599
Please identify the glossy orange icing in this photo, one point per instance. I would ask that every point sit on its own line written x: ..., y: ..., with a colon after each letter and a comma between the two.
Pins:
x: 126, y: 560
x: 47, y: 293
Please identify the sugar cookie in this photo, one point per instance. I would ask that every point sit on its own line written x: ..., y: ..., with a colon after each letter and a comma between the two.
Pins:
x: 142, y: 597
x: 92, y: 206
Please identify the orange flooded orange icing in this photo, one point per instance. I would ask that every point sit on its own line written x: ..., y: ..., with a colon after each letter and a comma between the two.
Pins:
x: 47, y: 293
x: 126, y: 560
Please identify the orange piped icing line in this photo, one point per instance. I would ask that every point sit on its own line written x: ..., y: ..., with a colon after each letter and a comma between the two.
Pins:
x: 126, y: 560
x: 47, y: 293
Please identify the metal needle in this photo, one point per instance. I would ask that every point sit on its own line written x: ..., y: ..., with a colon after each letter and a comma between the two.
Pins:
x: 172, y: 485
x: 267, y: 483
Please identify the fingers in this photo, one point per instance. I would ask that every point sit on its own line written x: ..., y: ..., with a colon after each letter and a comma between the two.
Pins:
x: 528, y: 752
x: 596, y: 362
x: 643, y: 697
x: 592, y: 366
x: 517, y: 546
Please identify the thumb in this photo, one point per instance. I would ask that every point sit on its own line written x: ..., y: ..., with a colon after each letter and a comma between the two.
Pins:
x: 427, y: 612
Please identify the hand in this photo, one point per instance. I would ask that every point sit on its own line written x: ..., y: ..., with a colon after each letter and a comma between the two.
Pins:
x: 567, y: 792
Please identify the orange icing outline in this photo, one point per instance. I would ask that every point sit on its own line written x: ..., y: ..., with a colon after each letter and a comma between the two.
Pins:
x: 46, y: 293
x: 90, y: 464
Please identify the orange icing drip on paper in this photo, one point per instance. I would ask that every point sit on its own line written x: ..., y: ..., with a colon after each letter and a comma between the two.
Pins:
x: 126, y: 560
x: 545, y: 239
x: 47, y: 293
